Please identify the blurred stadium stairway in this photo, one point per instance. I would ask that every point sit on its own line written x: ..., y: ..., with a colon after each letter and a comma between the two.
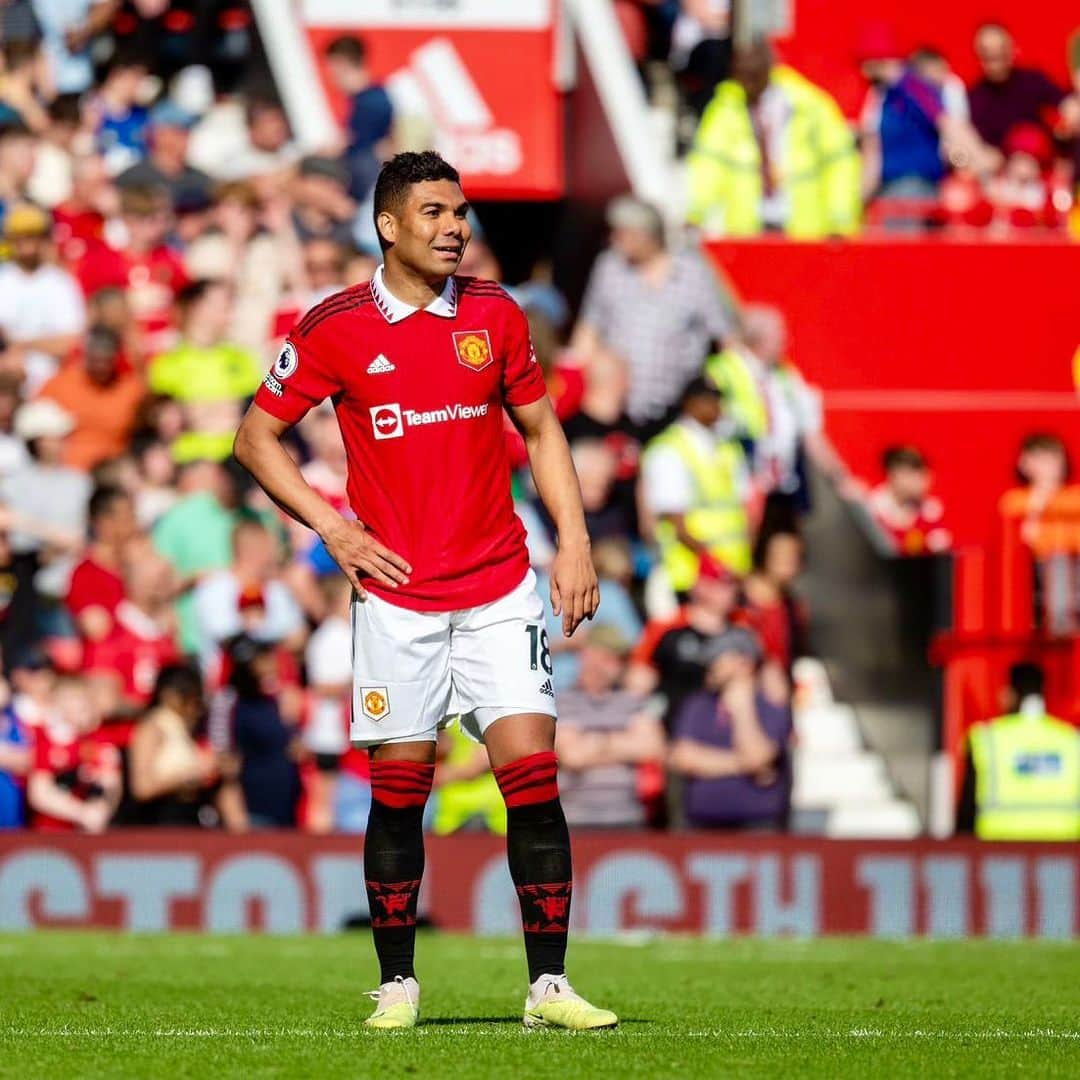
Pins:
x: 866, y: 726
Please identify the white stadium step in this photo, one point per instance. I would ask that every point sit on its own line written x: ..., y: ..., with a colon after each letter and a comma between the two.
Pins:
x: 893, y: 819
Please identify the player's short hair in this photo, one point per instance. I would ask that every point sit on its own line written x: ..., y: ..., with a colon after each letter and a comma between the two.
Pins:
x: 348, y: 47
x: 400, y: 173
x: 902, y: 457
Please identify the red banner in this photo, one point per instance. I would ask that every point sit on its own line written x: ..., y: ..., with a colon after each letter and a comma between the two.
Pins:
x: 481, y: 74
x: 699, y: 883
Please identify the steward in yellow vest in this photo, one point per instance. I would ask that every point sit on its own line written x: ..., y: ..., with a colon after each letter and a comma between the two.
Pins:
x: 1026, y: 767
x: 696, y: 488
x: 773, y: 151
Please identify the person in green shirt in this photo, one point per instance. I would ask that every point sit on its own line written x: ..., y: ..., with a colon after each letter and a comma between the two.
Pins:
x: 195, y: 536
x: 210, y: 377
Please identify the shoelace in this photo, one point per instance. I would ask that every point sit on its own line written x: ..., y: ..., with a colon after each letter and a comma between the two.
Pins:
x: 557, y: 983
x: 400, y: 980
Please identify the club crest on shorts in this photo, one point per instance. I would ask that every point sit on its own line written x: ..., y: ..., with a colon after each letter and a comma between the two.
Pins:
x: 374, y: 702
x: 473, y: 348
x: 287, y: 361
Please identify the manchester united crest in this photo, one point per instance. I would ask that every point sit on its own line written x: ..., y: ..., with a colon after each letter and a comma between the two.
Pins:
x: 473, y: 348
x: 374, y: 702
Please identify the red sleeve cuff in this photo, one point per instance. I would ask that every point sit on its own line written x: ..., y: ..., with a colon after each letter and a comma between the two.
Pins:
x: 289, y: 408
x: 527, y: 393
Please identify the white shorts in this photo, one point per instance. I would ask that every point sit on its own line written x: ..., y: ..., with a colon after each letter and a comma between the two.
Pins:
x: 414, y: 671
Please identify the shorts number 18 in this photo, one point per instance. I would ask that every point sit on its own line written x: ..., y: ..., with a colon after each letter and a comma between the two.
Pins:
x: 538, y: 643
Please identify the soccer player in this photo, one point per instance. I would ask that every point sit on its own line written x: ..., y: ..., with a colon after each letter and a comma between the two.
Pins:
x: 447, y: 620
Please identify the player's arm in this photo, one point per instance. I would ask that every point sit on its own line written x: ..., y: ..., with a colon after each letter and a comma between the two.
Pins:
x: 258, y: 448
x: 575, y: 593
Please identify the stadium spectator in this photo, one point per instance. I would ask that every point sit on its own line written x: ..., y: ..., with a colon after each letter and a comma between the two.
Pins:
x: 103, y: 402
x: 328, y: 660
x: 247, y: 723
x: 785, y: 409
x: 120, y: 117
x: 20, y: 85
x: 903, y: 508
x: 18, y: 156
x: 12, y: 448
x: 695, y: 487
x: 142, y: 641
x: 669, y: 657
x: 141, y: 264
x: 770, y: 608
x: 262, y: 150
x: 75, y: 781
x: 50, y: 501
x: 68, y: 29
x: 165, y: 166
x: 1022, y: 194
x: 41, y: 310
x: 1022, y: 769
x: 247, y: 597
x: 96, y: 588
x: 321, y: 204
x: 773, y: 152
x: 370, y: 120
x: 1045, y: 511
x: 206, y: 373
x: 730, y: 743
x: 17, y: 601
x: 604, y: 738
x: 195, y: 535
x: 1008, y: 95
x: 701, y: 49
x: 16, y: 758
x: 656, y: 309
x: 934, y: 67
x: 172, y: 776
x: 613, y: 562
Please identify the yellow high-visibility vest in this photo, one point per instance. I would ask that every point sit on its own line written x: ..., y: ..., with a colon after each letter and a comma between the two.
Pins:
x: 744, y: 399
x: 462, y: 801
x: 817, y: 167
x: 718, y: 517
x: 1027, y: 778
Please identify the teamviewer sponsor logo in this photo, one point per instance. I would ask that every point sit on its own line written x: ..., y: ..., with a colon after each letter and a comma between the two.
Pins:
x: 386, y: 421
x: 389, y: 421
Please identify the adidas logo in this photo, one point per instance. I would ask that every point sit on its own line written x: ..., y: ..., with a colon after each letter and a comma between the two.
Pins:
x: 547, y: 689
x: 380, y: 366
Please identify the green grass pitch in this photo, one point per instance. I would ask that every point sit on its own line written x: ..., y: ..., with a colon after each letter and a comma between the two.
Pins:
x: 102, y: 1005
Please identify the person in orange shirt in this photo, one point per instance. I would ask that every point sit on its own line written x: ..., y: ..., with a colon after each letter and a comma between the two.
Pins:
x: 103, y: 402
x: 1043, y: 515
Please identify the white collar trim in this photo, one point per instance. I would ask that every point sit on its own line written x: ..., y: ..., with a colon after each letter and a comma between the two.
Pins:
x: 394, y: 310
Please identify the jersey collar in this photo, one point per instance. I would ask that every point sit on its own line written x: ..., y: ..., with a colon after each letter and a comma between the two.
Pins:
x: 394, y: 310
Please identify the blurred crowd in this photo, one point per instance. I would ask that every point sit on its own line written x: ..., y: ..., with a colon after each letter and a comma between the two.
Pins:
x: 770, y: 151
x: 174, y: 650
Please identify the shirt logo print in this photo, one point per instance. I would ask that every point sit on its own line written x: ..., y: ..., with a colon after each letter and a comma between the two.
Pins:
x: 380, y: 366
x: 473, y: 348
x: 386, y: 421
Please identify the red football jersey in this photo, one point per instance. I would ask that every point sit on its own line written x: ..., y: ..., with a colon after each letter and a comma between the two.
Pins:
x: 136, y: 649
x: 419, y: 396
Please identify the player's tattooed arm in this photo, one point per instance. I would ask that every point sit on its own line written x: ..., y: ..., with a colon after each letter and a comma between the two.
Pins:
x: 258, y: 448
x: 575, y: 594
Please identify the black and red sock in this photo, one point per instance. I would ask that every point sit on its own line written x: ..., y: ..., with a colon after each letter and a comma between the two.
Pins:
x: 538, y: 849
x: 394, y: 860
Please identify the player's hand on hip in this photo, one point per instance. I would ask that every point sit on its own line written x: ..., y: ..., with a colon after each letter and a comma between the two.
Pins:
x: 575, y: 593
x: 359, y: 555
